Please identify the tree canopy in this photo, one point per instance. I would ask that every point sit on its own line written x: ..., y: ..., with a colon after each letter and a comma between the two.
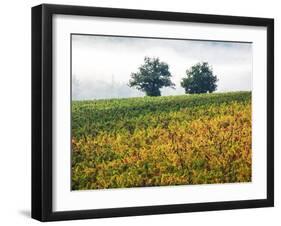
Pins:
x: 200, y: 79
x: 151, y: 77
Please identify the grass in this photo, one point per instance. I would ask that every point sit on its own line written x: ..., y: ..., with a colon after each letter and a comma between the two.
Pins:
x: 154, y: 141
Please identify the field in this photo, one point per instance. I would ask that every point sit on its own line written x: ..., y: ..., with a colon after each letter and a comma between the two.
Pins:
x: 154, y: 141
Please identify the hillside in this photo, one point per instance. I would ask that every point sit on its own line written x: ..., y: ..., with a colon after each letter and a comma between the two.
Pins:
x: 152, y: 141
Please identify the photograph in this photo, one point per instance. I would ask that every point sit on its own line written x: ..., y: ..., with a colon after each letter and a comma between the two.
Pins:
x: 159, y: 112
x: 140, y: 112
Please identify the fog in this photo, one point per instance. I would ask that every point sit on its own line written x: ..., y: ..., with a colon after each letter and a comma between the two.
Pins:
x: 102, y: 65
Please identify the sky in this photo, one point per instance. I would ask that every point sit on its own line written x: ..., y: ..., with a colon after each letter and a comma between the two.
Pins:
x: 102, y: 65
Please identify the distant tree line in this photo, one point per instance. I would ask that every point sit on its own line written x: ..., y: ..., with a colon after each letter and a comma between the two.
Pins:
x: 154, y: 75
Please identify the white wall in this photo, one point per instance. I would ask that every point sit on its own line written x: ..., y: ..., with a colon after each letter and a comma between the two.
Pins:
x: 15, y: 116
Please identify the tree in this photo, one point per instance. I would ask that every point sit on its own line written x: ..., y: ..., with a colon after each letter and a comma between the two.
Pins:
x: 76, y: 88
x: 200, y: 79
x: 152, y: 76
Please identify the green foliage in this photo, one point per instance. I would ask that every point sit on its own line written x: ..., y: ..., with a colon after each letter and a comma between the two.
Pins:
x: 135, y: 142
x: 200, y: 79
x: 152, y: 76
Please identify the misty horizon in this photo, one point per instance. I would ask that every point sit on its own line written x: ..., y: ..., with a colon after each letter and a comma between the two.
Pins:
x: 102, y: 65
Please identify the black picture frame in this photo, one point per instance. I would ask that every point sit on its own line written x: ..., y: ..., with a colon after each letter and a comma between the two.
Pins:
x: 42, y: 111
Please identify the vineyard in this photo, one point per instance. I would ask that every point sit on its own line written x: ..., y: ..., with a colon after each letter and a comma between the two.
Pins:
x: 154, y: 141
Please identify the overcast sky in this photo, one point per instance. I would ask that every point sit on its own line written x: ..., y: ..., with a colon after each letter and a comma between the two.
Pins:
x: 102, y: 65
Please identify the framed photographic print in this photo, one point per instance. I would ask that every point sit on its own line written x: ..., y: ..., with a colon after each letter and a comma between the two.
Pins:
x: 145, y: 112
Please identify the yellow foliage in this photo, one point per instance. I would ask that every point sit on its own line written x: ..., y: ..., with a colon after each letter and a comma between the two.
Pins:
x: 205, y: 144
